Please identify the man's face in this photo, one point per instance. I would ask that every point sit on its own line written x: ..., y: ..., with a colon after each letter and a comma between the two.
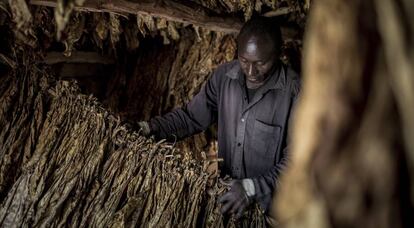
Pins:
x: 257, y: 57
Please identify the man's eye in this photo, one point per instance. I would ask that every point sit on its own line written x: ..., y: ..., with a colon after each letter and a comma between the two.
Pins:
x: 260, y: 63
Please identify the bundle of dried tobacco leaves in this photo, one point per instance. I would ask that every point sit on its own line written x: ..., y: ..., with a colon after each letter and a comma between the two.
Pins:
x: 66, y: 162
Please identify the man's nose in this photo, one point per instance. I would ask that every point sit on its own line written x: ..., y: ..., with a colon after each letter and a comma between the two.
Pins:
x: 251, y: 71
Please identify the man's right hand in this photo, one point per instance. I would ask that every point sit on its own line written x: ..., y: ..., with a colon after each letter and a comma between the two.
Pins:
x: 236, y: 200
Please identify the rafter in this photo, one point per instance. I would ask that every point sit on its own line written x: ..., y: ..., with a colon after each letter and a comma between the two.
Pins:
x: 172, y: 11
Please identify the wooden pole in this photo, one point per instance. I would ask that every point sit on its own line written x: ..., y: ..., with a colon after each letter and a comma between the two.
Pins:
x: 166, y: 9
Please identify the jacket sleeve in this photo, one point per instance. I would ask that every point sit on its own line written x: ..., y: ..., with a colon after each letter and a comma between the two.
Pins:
x: 266, y: 184
x: 193, y: 117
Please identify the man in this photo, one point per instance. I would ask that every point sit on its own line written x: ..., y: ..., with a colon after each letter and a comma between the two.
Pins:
x: 251, y: 99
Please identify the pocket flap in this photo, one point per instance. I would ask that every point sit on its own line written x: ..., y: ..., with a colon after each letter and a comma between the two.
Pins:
x: 265, y: 127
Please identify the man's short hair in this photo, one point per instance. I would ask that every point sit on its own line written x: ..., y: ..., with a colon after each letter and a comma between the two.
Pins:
x: 262, y: 27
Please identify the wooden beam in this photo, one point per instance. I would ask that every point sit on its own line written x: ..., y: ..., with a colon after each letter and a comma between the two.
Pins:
x: 77, y: 57
x: 78, y: 71
x: 279, y: 12
x: 171, y: 11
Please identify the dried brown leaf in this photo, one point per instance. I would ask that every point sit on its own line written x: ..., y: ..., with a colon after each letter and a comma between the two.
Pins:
x: 102, y: 27
x: 149, y: 22
x: 74, y: 32
x: 131, y: 36
x: 161, y: 23
x: 172, y: 31
x: 141, y: 25
x: 23, y: 19
x: 115, y: 29
x: 63, y: 11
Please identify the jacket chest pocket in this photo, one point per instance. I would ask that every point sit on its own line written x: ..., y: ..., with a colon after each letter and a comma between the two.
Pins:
x: 266, y: 139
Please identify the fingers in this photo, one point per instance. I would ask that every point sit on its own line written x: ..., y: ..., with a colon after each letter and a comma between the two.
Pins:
x: 236, y: 206
x: 235, y: 201
x: 227, y: 202
x: 231, y: 205
x: 240, y: 210
x: 226, y: 207
x: 225, y: 197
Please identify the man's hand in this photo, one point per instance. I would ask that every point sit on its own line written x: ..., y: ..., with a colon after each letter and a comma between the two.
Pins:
x: 236, y: 200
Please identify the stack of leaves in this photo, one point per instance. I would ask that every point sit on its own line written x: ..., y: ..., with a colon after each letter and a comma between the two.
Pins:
x: 67, y: 162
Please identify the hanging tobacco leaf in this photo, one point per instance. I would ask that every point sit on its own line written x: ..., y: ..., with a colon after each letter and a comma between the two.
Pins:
x: 23, y: 19
x: 115, y: 29
x: 74, y: 32
x: 172, y: 31
x: 131, y: 36
x: 141, y: 25
x: 63, y: 11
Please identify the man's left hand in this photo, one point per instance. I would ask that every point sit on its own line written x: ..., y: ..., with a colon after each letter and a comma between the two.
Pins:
x: 236, y: 200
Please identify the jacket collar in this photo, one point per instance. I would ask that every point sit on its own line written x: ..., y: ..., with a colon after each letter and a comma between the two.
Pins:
x: 277, y: 80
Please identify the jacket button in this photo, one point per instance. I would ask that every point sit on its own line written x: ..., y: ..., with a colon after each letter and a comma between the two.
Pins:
x: 238, y: 144
x: 242, y: 120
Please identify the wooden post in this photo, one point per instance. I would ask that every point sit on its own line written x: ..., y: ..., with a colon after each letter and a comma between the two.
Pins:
x: 353, y: 153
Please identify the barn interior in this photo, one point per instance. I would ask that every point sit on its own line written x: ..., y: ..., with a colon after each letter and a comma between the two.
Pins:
x: 77, y: 74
